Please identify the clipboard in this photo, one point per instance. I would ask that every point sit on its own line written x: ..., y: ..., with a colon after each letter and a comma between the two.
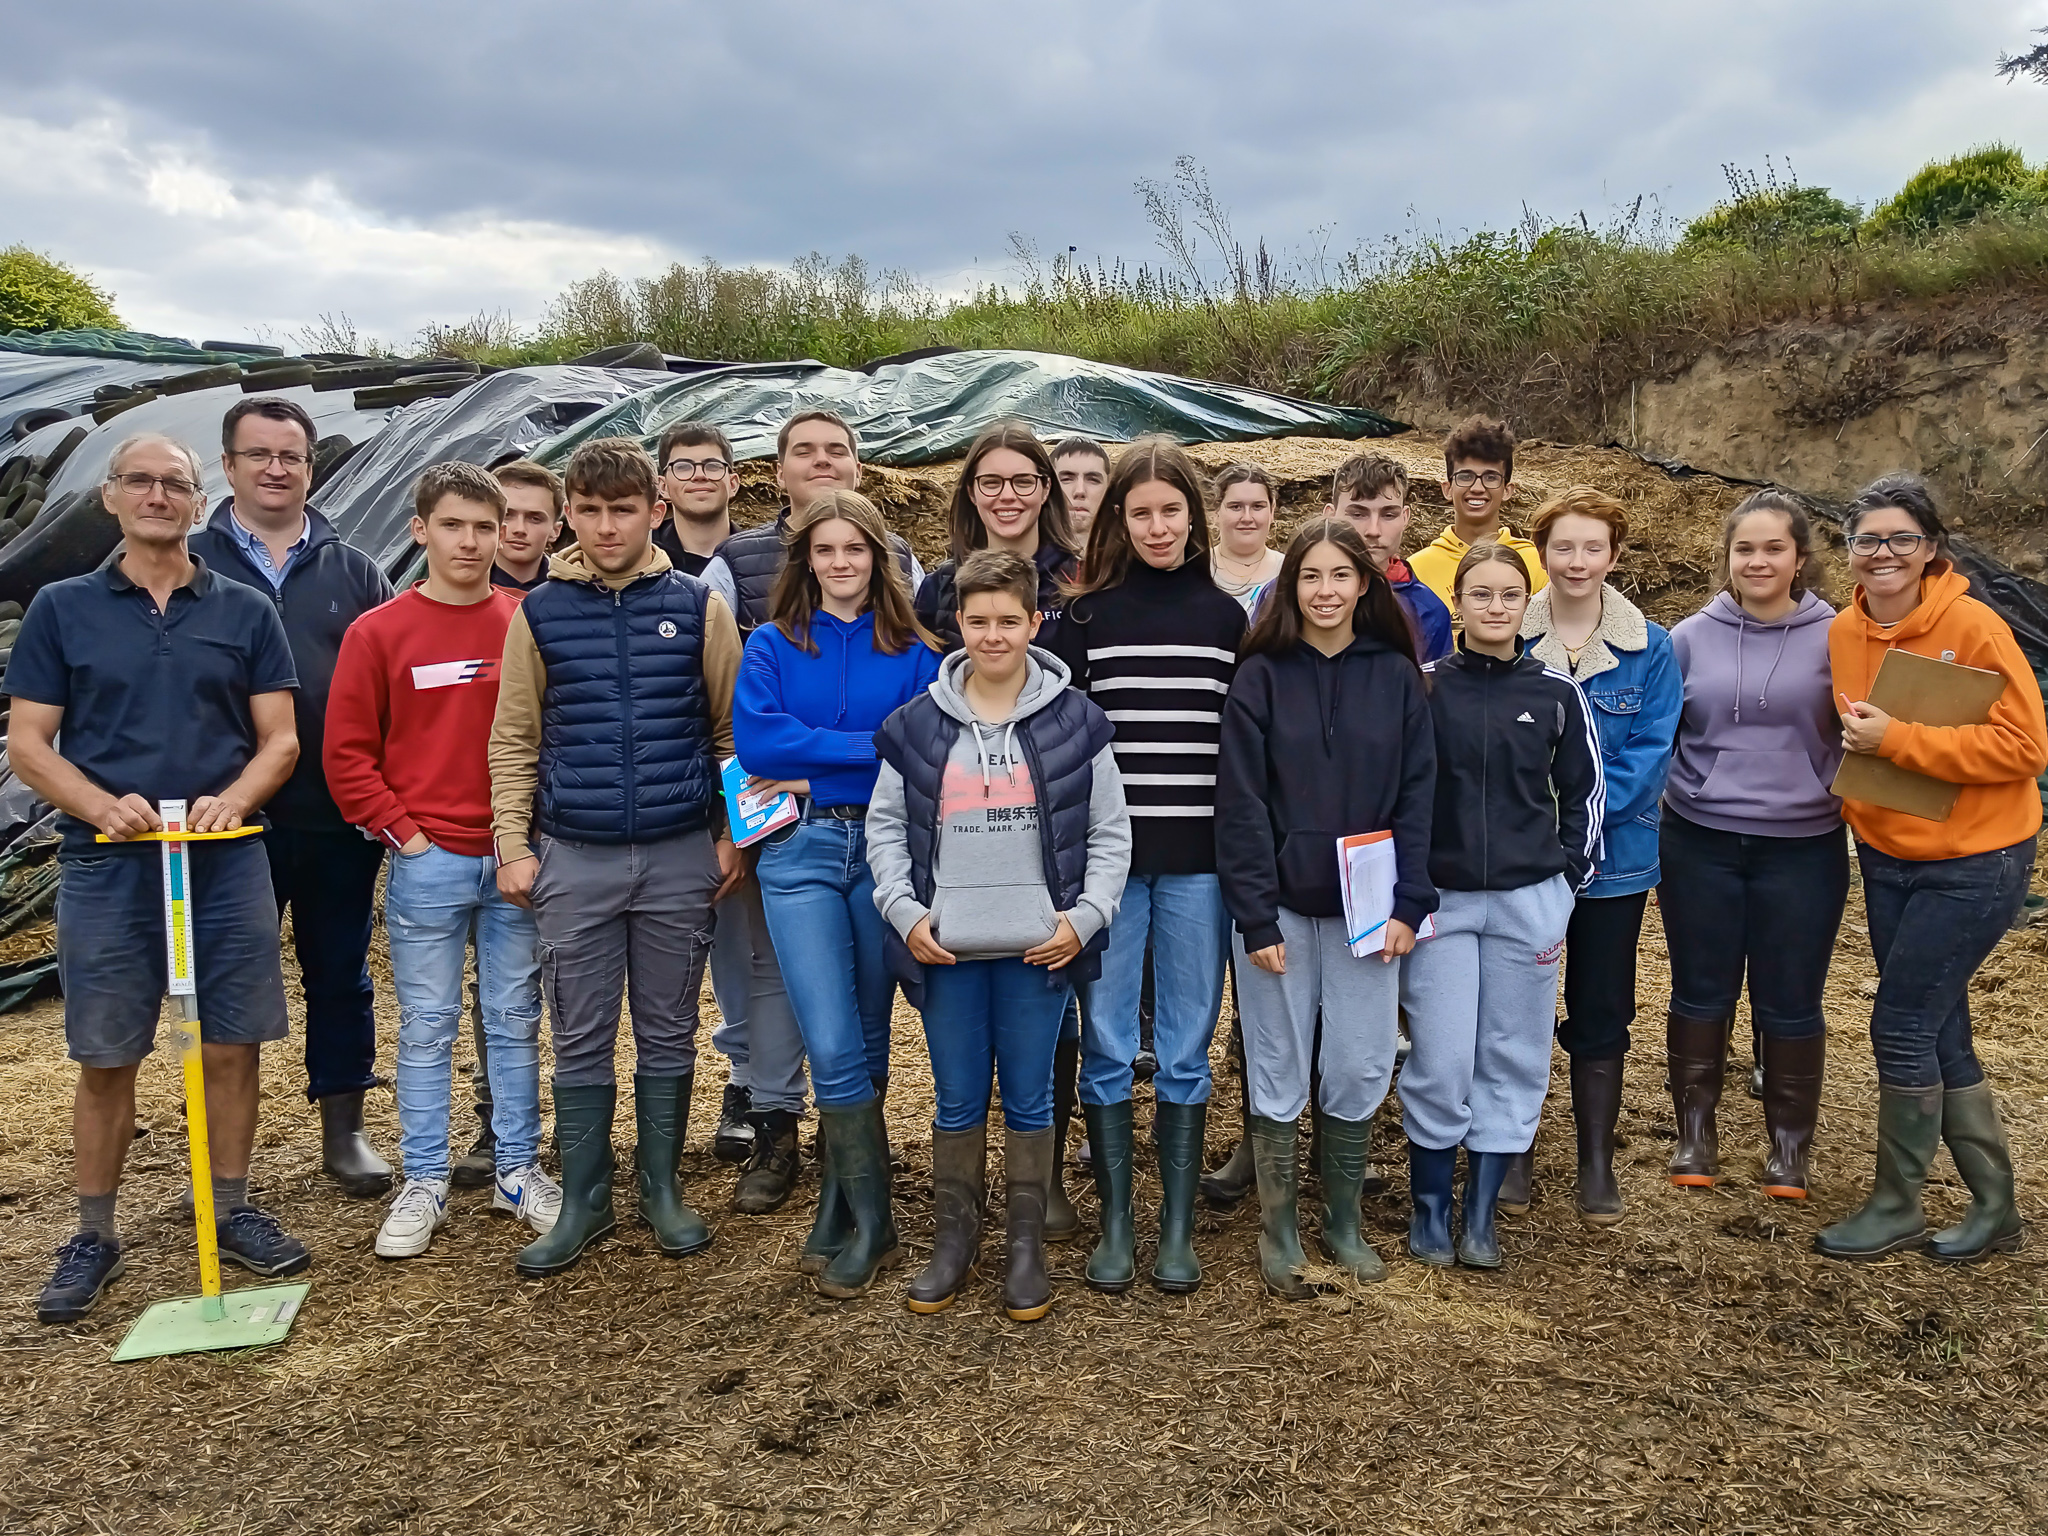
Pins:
x: 1919, y: 690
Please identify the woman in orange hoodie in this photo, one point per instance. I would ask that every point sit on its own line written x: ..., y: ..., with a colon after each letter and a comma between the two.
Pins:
x: 1939, y: 894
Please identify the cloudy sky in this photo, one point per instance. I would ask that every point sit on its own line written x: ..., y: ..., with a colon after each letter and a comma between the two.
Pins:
x: 238, y: 170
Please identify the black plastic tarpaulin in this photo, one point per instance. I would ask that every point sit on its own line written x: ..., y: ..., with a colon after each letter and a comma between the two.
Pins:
x: 929, y: 410
x: 37, y: 381
x: 498, y: 418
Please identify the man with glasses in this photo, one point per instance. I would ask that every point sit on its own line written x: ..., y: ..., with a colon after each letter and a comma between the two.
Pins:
x: 1479, y: 471
x: 765, y: 1089
x: 153, y: 679
x: 266, y: 537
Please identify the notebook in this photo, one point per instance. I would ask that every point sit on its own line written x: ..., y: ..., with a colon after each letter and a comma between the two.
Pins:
x: 753, y: 816
x: 1920, y: 690
x: 1365, y: 870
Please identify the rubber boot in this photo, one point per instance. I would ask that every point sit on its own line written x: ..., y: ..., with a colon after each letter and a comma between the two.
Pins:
x: 1432, y: 1187
x: 1178, y: 1130
x: 1343, y: 1165
x: 477, y: 1167
x: 1281, y: 1259
x: 1113, y: 1266
x: 832, y: 1227
x: 959, y: 1198
x: 1976, y: 1140
x: 661, y: 1117
x: 583, y: 1132
x: 1027, y: 1170
x: 1756, y: 1056
x: 1235, y: 1175
x: 1698, y: 1052
x: 1478, y: 1248
x: 1792, y: 1078
x: 1062, y: 1221
x: 346, y: 1155
x: 774, y: 1163
x: 856, y: 1141
x: 1596, y: 1107
x: 1515, y: 1198
x: 1908, y: 1136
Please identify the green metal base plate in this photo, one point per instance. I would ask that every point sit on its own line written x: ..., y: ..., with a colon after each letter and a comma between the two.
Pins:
x: 251, y: 1318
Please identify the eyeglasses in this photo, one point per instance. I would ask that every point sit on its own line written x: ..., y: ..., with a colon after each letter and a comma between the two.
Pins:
x: 138, y: 484
x: 1023, y: 485
x: 690, y: 469
x: 263, y: 458
x: 1485, y: 479
x: 1897, y: 543
x: 1481, y: 597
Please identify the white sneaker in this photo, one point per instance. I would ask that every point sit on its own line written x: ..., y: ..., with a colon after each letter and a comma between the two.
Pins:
x: 416, y: 1215
x: 529, y: 1194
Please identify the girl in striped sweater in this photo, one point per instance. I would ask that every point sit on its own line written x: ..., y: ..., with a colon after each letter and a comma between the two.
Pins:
x: 1150, y: 638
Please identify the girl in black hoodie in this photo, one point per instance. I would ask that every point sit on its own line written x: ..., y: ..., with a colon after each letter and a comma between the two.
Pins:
x: 1326, y: 734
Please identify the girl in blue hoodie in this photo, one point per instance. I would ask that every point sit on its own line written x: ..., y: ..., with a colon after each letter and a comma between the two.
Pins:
x: 1756, y: 865
x: 842, y: 653
x: 1623, y: 664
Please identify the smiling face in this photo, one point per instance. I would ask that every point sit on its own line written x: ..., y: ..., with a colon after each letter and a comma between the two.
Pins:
x: 1381, y: 521
x: 1579, y: 554
x: 1327, y: 591
x: 1763, y: 561
x: 843, y: 561
x: 1476, y: 491
x: 1244, y: 519
x: 996, y: 631
x: 1008, y: 513
x: 1884, y: 574
x: 694, y: 492
x: 258, y: 471
x: 818, y: 458
x: 1491, y: 600
x: 613, y: 532
x: 461, y: 540
x: 1157, y: 517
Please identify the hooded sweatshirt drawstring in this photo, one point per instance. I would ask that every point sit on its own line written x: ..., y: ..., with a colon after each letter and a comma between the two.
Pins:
x: 1006, y: 745
x: 1741, y: 634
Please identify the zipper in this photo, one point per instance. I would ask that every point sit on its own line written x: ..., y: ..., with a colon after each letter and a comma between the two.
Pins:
x: 1485, y: 794
x: 626, y: 716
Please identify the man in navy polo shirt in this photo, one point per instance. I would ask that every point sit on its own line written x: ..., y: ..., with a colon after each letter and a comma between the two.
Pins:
x: 165, y: 683
x: 266, y: 537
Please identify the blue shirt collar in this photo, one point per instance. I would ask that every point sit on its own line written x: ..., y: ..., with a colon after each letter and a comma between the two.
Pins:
x: 257, y: 553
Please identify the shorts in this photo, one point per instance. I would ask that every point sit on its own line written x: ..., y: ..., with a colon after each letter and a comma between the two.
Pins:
x: 110, y: 949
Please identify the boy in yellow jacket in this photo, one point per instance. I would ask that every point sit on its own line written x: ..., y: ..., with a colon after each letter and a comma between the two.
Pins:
x: 1479, y: 469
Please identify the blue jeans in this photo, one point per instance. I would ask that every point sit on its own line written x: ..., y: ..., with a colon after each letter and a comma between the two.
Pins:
x: 820, y: 900
x: 1190, y: 932
x: 1932, y: 923
x: 992, y: 1014
x: 430, y: 904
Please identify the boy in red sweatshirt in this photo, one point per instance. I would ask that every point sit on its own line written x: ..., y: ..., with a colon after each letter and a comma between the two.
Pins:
x: 415, y: 690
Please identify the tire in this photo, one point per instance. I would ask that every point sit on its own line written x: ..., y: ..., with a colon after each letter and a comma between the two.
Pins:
x: 384, y: 395
x: 71, y: 543
x: 626, y: 354
x: 439, y: 367
x: 12, y: 476
x: 201, y: 378
x: 256, y: 351
x: 12, y: 612
x: 290, y: 376
x: 30, y: 422
x: 329, y: 454
x: 25, y: 514
x: 113, y: 408
x: 354, y: 375
x: 63, y: 451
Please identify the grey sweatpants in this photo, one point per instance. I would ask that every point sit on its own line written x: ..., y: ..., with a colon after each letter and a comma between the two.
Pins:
x: 614, y: 915
x: 1360, y: 1001
x: 757, y: 1032
x: 1481, y: 999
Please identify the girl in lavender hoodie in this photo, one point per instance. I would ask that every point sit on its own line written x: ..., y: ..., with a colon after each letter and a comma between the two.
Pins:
x: 1755, y: 862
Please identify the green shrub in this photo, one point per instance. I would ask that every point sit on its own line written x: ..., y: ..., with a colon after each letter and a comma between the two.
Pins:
x: 1948, y: 192
x: 38, y: 294
x: 1774, y: 219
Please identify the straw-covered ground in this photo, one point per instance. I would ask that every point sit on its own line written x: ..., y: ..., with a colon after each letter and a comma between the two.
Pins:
x: 1696, y: 1369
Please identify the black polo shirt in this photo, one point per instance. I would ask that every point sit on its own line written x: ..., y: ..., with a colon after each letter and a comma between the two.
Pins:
x: 155, y: 704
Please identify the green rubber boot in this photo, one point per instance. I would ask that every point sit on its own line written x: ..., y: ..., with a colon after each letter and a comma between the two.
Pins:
x: 1113, y: 1266
x: 1908, y: 1135
x: 1976, y: 1140
x: 833, y: 1226
x: 661, y: 1116
x: 858, y: 1145
x: 583, y: 1132
x: 1346, y: 1157
x: 1281, y: 1260
x: 1178, y: 1129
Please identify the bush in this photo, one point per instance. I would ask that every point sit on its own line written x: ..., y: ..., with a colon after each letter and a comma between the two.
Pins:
x: 1774, y: 219
x: 38, y: 294
x: 1948, y: 192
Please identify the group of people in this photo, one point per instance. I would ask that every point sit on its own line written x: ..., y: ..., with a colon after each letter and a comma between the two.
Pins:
x: 1093, y: 764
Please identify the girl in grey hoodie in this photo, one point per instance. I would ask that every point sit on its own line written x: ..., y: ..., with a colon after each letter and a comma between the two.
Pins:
x: 1755, y: 861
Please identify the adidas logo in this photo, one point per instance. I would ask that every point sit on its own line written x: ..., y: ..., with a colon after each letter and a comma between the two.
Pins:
x: 1525, y: 718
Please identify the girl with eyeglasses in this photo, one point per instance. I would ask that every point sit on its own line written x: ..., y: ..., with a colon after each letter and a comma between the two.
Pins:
x: 1939, y: 894
x: 1513, y: 836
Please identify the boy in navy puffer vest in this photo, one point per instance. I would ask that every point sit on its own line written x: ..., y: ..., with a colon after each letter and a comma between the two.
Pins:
x: 614, y: 712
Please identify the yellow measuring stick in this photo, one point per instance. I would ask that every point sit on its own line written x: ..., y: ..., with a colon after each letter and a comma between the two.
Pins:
x: 178, y: 837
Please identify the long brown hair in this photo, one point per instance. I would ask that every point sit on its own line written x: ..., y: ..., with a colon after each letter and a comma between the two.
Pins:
x: 1812, y: 574
x: 1108, y: 557
x: 797, y: 595
x: 964, y: 528
x: 1379, y: 613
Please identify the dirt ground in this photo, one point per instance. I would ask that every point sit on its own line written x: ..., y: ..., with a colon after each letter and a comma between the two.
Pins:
x: 1696, y: 1369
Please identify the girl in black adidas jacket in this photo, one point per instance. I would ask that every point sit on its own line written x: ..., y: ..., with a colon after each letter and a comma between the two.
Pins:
x: 1326, y: 734
x: 1516, y: 830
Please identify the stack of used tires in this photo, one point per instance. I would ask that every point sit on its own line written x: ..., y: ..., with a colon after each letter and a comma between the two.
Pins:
x: 378, y: 382
x: 24, y: 480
